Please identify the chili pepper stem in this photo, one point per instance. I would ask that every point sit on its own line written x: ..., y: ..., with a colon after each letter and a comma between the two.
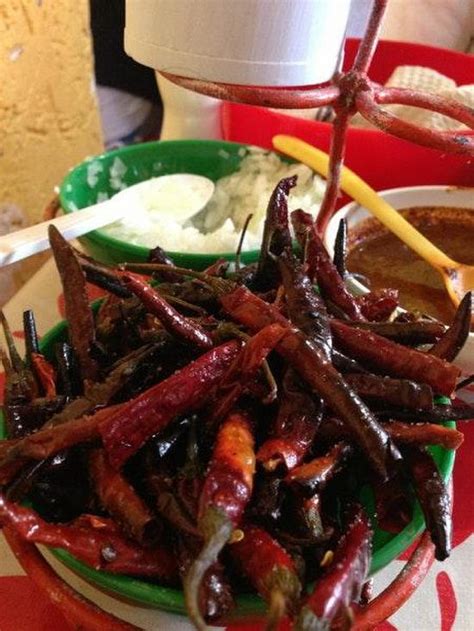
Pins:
x: 276, y: 609
x: 217, y: 529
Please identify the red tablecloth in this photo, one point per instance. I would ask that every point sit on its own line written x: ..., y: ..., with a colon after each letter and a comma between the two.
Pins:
x: 444, y: 601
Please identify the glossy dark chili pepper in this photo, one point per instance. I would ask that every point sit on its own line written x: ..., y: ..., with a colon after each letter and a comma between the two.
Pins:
x: 104, y: 278
x: 121, y: 500
x: 20, y: 383
x: 295, y: 427
x: 93, y: 540
x: 402, y: 392
x: 340, y: 248
x: 31, y: 335
x: 433, y: 496
x: 181, y: 327
x: 322, y: 270
x: 341, y: 584
x: 25, y: 418
x: 158, y: 255
x: 395, y: 359
x: 456, y: 335
x: 312, y: 477
x: 68, y: 382
x: 345, y: 364
x: 411, y: 333
x: 81, y: 329
x: 226, y: 492
x: 246, y: 308
x: 306, y: 308
x: 271, y: 570
x: 187, y: 389
x: 276, y: 235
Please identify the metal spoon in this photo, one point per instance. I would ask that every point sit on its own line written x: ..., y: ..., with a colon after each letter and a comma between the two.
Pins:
x: 458, y: 277
x: 195, y: 192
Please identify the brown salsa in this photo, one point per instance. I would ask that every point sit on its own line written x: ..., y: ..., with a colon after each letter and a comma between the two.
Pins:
x: 385, y: 261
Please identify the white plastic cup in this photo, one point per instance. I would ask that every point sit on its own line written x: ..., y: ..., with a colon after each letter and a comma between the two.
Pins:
x: 249, y: 42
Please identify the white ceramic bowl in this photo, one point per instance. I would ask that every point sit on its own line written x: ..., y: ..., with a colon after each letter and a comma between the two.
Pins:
x: 405, y: 198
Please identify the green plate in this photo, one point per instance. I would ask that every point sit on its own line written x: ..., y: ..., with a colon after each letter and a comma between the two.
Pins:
x: 386, y: 546
x: 88, y: 182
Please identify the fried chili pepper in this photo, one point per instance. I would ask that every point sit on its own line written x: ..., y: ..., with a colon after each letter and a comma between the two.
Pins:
x: 341, y: 583
x: 394, y: 359
x: 306, y: 309
x: 45, y: 373
x: 215, y: 594
x: 93, y: 540
x: 403, y: 392
x: 50, y: 440
x: 276, y: 234
x: 424, y: 434
x: 453, y: 340
x: 377, y: 306
x: 296, y: 424
x: 320, y: 375
x: 20, y: 384
x: 346, y: 364
x: 433, y: 496
x: 226, y: 492
x: 104, y: 278
x: 243, y: 369
x: 120, y: 499
x: 411, y: 333
x: 158, y: 255
x: 187, y: 389
x: 271, y: 571
x: 340, y: 248
x: 323, y: 271
x: 393, y: 504
x: 183, y: 328
x: 312, y: 477
x: 68, y: 375
x: 78, y: 312
x: 31, y: 335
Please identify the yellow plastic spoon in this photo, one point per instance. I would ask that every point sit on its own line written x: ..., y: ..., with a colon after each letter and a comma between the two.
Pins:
x: 458, y: 277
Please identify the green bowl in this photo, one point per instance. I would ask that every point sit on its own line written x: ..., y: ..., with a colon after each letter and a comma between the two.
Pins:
x: 90, y: 181
x: 386, y: 546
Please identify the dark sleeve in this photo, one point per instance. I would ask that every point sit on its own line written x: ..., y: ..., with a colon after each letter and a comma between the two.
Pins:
x: 113, y: 67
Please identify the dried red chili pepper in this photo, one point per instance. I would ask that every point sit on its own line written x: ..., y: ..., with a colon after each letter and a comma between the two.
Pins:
x: 377, y: 306
x: 81, y: 327
x: 93, y: 540
x: 424, y: 434
x: 312, y: 477
x: 187, y: 389
x: 296, y: 424
x: 340, y: 248
x: 183, y: 328
x: 433, y: 496
x: 226, y: 492
x: 322, y: 270
x: 45, y: 373
x: 342, y: 582
x: 243, y: 369
x: 410, y: 333
x: 271, y: 571
x: 120, y: 499
x: 394, y: 359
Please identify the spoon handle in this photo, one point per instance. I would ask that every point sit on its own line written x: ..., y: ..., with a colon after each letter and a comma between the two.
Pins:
x: 23, y: 243
x: 362, y: 193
